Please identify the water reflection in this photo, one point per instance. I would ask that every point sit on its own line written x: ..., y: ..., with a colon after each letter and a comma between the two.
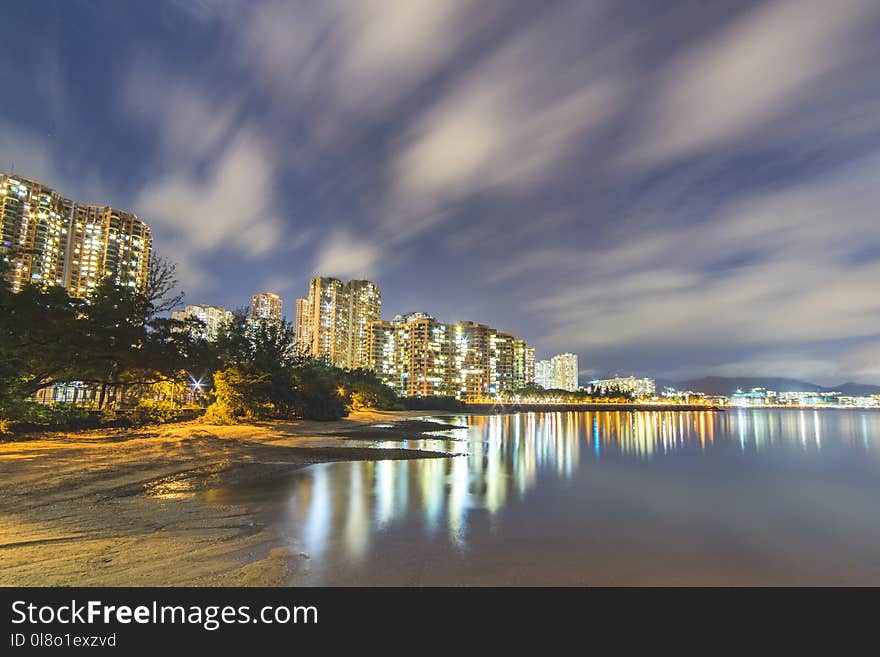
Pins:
x: 337, y: 512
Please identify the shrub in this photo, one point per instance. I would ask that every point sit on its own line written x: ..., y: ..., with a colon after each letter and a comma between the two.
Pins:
x: 149, y: 411
x: 59, y: 413
x: 238, y: 394
x: 320, y: 394
x: 432, y: 404
x: 217, y: 414
x: 365, y: 390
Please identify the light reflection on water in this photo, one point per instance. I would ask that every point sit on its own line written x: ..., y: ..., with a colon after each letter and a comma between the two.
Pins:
x: 744, y: 496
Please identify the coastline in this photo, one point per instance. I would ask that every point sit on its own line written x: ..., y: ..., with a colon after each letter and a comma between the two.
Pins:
x: 139, y: 507
x: 504, y: 408
x: 149, y: 506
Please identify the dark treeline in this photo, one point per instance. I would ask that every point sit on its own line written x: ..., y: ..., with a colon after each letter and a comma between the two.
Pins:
x: 119, y: 344
x: 537, y: 394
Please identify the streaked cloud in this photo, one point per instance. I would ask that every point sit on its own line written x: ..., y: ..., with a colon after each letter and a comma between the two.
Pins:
x: 770, y: 270
x: 230, y: 205
x: 344, y: 255
x: 751, y: 72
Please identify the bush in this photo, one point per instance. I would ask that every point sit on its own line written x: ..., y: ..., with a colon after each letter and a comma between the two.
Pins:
x: 58, y: 413
x: 34, y: 416
x: 240, y: 394
x: 218, y: 414
x: 432, y: 404
x: 319, y: 392
x: 363, y: 389
x: 149, y: 411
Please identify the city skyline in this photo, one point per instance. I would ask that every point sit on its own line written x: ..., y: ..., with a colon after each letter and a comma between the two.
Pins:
x: 73, y: 244
x: 674, y: 191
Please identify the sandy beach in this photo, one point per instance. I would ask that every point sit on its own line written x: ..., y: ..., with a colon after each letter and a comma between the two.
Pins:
x: 136, y: 507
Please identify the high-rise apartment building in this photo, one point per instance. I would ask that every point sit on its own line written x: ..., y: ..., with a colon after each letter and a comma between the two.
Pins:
x: 301, y: 324
x: 421, y: 357
x: 328, y: 320
x: 523, y: 364
x: 364, y: 307
x: 413, y: 354
x: 339, y: 315
x: 472, y: 348
x: 565, y: 372
x: 106, y: 242
x: 55, y: 241
x: 266, y: 305
x: 34, y: 221
x: 213, y: 317
x: 544, y: 374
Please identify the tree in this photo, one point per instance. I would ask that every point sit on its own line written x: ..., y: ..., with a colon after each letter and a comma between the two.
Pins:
x: 128, y: 343
x: 115, y: 339
x: 38, y: 327
x: 262, y: 347
x: 363, y: 389
x: 320, y: 395
x: 239, y: 394
x: 120, y: 341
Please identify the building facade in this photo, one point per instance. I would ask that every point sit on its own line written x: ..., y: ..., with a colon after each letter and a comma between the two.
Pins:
x: 338, y: 316
x: 213, y: 317
x: 301, y: 324
x: 266, y: 305
x: 420, y: 357
x: 53, y: 240
x: 523, y: 364
x: 544, y: 374
x: 364, y: 300
x: 413, y: 354
x: 565, y: 372
x: 104, y: 242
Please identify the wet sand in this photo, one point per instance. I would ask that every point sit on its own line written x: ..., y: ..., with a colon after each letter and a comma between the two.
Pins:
x: 135, y: 507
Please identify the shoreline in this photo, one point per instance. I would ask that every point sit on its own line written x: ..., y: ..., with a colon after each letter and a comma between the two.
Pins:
x: 141, y: 507
x: 150, y: 506
x: 505, y: 408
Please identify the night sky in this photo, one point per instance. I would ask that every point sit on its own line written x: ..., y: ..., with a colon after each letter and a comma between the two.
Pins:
x: 667, y: 189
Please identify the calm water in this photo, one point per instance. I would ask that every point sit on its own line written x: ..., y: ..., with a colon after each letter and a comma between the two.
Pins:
x: 736, y: 497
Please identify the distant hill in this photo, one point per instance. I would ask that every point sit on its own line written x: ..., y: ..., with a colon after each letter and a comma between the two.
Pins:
x: 725, y: 385
x: 856, y: 389
x: 665, y: 383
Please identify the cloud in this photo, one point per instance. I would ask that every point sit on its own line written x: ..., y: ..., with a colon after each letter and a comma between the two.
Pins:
x: 795, y: 366
x: 37, y: 157
x: 487, y: 135
x: 350, y: 61
x: 795, y: 266
x: 190, y: 121
x: 212, y: 183
x: 863, y: 362
x: 230, y: 206
x: 279, y: 284
x: 506, y: 125
x: 344, y: 255
x: 769, y: 61
x: 392, y: 45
